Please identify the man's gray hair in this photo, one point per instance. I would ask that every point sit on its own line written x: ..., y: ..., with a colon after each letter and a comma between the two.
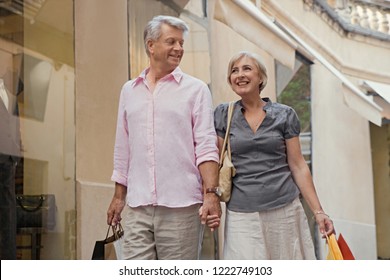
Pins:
x: 153, y: 28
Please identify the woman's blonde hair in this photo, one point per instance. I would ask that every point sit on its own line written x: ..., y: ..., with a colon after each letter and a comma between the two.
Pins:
x: 258, y: 62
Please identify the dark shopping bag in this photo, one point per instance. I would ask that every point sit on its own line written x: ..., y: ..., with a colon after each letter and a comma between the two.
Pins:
x: 37, y: 211
x: 111, y: 247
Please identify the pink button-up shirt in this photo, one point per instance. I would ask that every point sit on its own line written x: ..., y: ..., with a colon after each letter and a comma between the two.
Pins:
x: 161, y: 139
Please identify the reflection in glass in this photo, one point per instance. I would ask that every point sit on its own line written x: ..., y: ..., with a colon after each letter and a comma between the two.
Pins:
x: 36, y: 87
x: 37, y: 67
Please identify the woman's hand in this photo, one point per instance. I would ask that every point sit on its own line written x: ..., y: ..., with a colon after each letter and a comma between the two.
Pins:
x: 325, y: 224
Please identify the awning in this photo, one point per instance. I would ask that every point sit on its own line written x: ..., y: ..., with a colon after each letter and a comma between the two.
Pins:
x: 382, y: 97
x: 367, y: 109
x: 354, y: 98
x: 381, y: 89
x: 247, y: 20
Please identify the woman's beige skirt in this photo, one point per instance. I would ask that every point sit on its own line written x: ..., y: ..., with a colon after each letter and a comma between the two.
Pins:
x: 279, y: 234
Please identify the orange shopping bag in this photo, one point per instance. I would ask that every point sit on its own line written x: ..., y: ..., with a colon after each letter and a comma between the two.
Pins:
x: 334, y: 252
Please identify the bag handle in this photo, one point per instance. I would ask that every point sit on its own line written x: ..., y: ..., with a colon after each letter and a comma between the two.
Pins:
x: 20, y: 200
x: 334, y: 252
x: 117, y: 233
x: 226, y: 141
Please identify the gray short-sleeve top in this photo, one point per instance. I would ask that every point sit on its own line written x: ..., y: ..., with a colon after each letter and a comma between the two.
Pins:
x: 263, y: 178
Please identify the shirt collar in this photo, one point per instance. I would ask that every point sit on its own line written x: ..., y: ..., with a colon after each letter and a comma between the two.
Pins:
x: 268, y: 101
x: 176, y: 74
x: 265, y: 99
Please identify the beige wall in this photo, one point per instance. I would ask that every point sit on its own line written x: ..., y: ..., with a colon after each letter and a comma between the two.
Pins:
x: 196, y: 59
x: 101, y: 62
x: 380, y: 143
x: 342, y: 166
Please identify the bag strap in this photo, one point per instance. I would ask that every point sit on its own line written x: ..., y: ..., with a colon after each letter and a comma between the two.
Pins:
x: 117, y: 233
x: 20, y: 199
x: 226, y: 141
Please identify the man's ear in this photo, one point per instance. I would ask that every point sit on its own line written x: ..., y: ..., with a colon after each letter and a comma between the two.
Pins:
x: 150, y: 45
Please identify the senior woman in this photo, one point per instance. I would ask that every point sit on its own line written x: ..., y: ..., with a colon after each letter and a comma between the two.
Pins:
x: 264, y: 217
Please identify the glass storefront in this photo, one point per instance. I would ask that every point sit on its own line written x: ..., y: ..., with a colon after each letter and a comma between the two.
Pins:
x: 37, y: 68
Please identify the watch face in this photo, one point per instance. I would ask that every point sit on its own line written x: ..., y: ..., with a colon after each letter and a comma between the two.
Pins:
x: 218, y: 191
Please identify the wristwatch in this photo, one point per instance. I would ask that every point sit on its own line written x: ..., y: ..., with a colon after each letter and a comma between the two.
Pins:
x: 216, y: 191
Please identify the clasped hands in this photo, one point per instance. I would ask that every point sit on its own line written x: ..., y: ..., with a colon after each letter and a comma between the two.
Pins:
x: 210, y: 212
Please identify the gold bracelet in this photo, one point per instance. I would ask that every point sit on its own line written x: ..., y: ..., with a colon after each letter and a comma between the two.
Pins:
x: 319, y: 212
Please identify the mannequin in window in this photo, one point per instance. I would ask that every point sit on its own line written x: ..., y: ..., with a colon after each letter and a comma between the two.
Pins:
x: 10, y: 153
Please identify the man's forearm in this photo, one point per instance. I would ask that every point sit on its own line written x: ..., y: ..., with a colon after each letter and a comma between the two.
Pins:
x: 209, y: 173
x: 211, y: 204
x: 120, y: 191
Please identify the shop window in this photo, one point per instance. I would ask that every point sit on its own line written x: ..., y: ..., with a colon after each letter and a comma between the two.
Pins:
x: 37, y: 70
x: 293, y: 89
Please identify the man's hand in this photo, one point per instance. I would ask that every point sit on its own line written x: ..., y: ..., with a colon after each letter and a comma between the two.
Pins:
x: 117, y: 204
x: 210, y: 213
x: 114, y: 211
